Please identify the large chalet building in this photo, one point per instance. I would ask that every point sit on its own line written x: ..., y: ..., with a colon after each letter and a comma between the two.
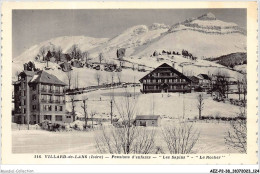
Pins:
x: 39, y: 96
x: 165, y: 78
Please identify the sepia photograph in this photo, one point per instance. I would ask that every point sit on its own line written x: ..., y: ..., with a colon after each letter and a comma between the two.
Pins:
x: 129, y: 81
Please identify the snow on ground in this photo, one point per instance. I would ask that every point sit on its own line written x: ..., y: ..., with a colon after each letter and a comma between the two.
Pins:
x: 64, y: 42
x: 187, y: 66
x: 241, y: 68
x: 211, y: 140
x: 86, y: 76
x: 171, y: 106
x: 200, y: 44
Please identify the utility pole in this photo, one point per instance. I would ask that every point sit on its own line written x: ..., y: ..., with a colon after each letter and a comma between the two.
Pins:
x: 153, y: 104
x: 183, y: 106
x: 111, y: 102
x: 134, y: 87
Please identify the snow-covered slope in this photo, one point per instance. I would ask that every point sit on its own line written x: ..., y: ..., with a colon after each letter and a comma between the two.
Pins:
x: 84, y: 43
x: 131, y: 39
x: 204, y: 36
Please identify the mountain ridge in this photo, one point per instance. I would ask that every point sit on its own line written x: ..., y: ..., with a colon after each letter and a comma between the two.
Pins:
x: 204, y: 36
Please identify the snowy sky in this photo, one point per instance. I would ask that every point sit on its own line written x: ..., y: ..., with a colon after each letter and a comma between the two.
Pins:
x: 31, y: 27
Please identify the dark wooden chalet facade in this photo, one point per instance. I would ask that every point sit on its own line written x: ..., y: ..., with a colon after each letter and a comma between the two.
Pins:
x: 165, y: 78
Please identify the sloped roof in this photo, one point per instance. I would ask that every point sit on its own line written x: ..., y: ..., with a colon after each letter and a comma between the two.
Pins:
x: 44, y: 77
x: 28, y: 73
x: 147, y: 117
x: 205, y: 76
x: 165, y: 65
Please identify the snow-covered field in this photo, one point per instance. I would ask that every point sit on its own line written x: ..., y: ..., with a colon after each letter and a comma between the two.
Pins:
x: 169, y: 105
x: 211, y: 140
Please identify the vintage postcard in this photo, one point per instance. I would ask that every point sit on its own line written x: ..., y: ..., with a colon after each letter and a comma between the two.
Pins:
x: 129, y: 83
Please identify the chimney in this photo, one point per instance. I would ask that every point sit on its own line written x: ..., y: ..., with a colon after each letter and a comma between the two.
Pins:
x: 173, y: 65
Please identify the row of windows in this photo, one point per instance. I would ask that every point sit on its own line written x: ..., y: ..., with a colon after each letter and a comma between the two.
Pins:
x: 50, y: 108
x: 53, y: 98
x: 161, y: 74
x: 170, y: 87
x: 51, y: 87
x: 164, y: 80
x: 49, y: 117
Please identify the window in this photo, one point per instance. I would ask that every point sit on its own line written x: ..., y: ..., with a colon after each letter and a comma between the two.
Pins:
x: 24, y: 93
x: 60, y: 108
x: 24, y: 102
x: 58, y: 117
x: 34, y: 97
x: 45, y: 107
x: 68, y: 116
x: 24, y: 110
x: 152, y: 122
x: 34, y: 107
x: 49, y: 107
x: 43, y: 97
x: 47, y: 117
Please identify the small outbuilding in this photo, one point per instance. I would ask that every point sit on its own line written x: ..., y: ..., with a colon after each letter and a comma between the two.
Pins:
x: 147, y: 120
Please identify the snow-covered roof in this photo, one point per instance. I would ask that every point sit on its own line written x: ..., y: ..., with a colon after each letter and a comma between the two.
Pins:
x: 147, y: 117
x: 44, y: 77
x: 34, y: 78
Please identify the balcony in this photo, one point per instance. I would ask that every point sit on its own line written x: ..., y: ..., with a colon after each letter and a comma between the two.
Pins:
x: 59, y: 92
x: 49, y: 91
x: 43, y: 100
x: 43, y: 90
x: 169, y: 90
x: 56, y: 101
x: 170, y: 83
x: 163, y: 77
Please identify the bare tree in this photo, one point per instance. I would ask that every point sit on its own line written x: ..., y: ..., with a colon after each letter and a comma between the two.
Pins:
x: 75, y: 52
x: 244, y: 86
x: 239, y: 88
x: 43, y: 52
x: 100, y: 57
x: 200, y: 105
x: 119, y: 77
x: 98, y: 77
x: 222, y: 83
x: 85, y: 56
x: 69, y: 78
x: 84, y: 107
x: 237, y: 136
x: 127, y: 138
x: 72, y: 99
x: 180, y: 138
x: 92, y: 114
